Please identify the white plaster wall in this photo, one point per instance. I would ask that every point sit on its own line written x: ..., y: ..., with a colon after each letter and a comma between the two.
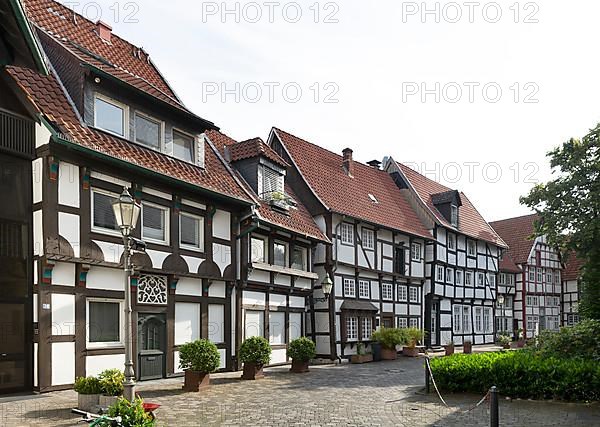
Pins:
x: 68, y: 227
x: 217, y: 289
x: 42, y: 135
x: 176, y: 368
x: 111, y: 251
x: 297, y: 302
x: 111, y: 279
x: 302, y: 283
x: 222, y: 358
x: 277, y: 300
x: 295, y: 325
x: 35, y: 363
x: 63, y: 314
x: 63, y: 372
x: 63, y: 274
x: 37, y: 167
x: 96, y: 364
x: 253, y: 298
x: 192, y: 262
x: 259, y: 276
x: 216, y: 323
x: 221, y: 256
x: 111, y: 179
x: 187, y: 322
x: 278, y: 356
x: 157, y: 257
x: 321, y: 322
x: 322, y: 344
x: 189, y: 286
x: 38, y: 233
x: 222, y: 224
x: 283, y: 280
x: 68, y: 184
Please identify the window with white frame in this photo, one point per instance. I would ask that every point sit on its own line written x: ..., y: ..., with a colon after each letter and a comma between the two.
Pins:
x: 549, y: 277
x: 502, y: 279
x: 300, y: 258
x: 480, y: 279
x: 413, y: 294
x: 553, y: 301
x: 466, y: 321
x: 367, y: 328
x: 450, y: 275
x: 402, y: 322
x: 368, y: 238
x: 510, y: 279
x: 191, y: 231
x: 471, y: 248
x: 532, y: 301
x: 364, y: 289
x: 280, y: 254
x: 349, y: 287
x: 103, y: 216
x: 532, y: 322
x: 491, y: 277
x: 572, y: 319
x: 276, y: 327
x: 402, y: 293
x: 351, y: 328
x: 387, y: 291
x: 540, y: 275
x: 557, y: 278
x: 457, y: 319
x: 413, y: 322
x: 488, y: 327
x: 183, y: 146
x: 454, y: 215
x: 104, y: 323
x: 270, y: 181
x: 415, y: 252
x: 451, y: 242
x: 553, y: 323
x: 347, y: 231
x: 508, y: 301
x: 469, y: 278
x: 459, y: 277
x: 155, y: 223
x: 110, y: 115
x: 531, y: 274
x: 148, y: 131
x: 478, y: 320
x: 439, y: 273
x: 258, y: 249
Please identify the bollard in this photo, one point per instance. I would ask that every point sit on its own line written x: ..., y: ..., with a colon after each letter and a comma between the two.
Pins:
x: 494, y: 420
x: 427, y: 379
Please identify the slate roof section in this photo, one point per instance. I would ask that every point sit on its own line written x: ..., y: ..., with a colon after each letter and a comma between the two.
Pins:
x: 297, y: 220
x: 252, y: 148
x: 346, y: 195
x: 573, y: 267
x: 47, y: 95
x: 471, y: 222
x: 516, y: 232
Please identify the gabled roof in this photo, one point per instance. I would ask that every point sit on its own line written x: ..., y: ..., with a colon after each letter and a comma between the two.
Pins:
x: 507, y: 264
x: 470, y: 223
x: 298, y: 220
x: 346, y: 195
x: 48, y: 96
x: 516, y: 232
x: 253, y: 148
x: 573, y: 267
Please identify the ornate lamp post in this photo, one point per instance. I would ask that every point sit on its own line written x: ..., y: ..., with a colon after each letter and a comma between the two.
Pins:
x: 326, y: 285
x: 127, y: 212
x: 500, y: 301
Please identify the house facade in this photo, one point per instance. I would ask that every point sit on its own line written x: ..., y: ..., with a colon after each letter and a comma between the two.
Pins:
x: 505, y: 303
x: 376, y: 259
x: 537, y: 303
x: 461, y: 262
x: 571, y: 290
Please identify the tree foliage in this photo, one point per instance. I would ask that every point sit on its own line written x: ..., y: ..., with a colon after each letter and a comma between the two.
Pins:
x: 569, y: 209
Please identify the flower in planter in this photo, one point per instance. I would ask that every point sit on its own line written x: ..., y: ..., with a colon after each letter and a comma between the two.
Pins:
x: 131, y: 413
x: 111, y: 381
x: 302, y: 349
x: 255, y: 350
x: 390, y: 337
x: 199, y: 356
x: 87, y: 385
x: 413, y: 336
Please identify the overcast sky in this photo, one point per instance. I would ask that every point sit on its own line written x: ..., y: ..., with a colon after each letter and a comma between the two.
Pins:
x: 375, y: 59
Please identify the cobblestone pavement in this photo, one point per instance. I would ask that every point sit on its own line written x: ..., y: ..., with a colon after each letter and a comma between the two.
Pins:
x: 385, y: 393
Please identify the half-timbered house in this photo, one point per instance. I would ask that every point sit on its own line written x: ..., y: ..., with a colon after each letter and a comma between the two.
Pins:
x: 507, y: 279
x: 538, y: 286
x: 376, y: 259
x: 461, y: 262
x: 110, y: 120
x: 276, y: 248
x: 571, y: 290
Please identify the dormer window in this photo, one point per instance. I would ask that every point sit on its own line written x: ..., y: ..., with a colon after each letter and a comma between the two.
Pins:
x: 454, y: 215
x: 148, y: 131
x: 110, y: 115
x: 183, y: 146
x: 271, y: 180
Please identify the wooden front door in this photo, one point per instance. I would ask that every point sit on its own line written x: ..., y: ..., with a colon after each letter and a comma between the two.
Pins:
x: 152, y: 346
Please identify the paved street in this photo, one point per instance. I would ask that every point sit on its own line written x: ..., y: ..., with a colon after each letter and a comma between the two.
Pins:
x: 386, y: 393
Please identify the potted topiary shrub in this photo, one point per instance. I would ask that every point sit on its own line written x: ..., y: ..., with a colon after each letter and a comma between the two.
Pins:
x: 198, y: 359
x: 389, y: 339
x: 361, y: 355
x: 301, y: 350
x: 111, y: 382
x: 413, y: 336
x: 504, y: 341
x: 255, y: 353
x: 449, y: 348
x: 131, y: 413
x: 88, y: 393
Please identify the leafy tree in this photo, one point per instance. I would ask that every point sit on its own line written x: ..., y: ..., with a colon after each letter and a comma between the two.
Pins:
x: 569, y: 209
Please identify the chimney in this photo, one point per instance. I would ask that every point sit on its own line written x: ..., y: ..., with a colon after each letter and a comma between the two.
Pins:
x: 375, y: 164
x: 347, y: 161
x: 104, y: 30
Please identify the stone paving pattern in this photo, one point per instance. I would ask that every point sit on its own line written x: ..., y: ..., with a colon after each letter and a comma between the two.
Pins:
x: 382, y: 394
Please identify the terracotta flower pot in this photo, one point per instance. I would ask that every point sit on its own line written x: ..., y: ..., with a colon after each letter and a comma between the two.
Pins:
x: 361, y: 358
x: 252, y: 371
x: 521, y: 343
x: 410, y: 351
x: 195, y: 380
x: 449, y: 349
x: 389, y: 354
x: 467, y: 347
x: 299, y: 366
x: 87, y: 402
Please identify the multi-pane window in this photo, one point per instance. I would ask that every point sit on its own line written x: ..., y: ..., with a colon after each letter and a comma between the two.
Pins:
x: 399, y: 267
x: 457, y: 319
x: 459, y: 277
x: 553, y: 301
x: 349, y: 287
x: 439, y: 273
x: 104, y: 323
x: 191, y: 231
x: 471, y: 248
x: 487, y: 320
x: 155, y: 223
x: 280, y: 254
x: 510, y: 279
x: 258, y: 249
x: 478, y: 320
x: 387, y: 291
x: 508, y: 301
x: 469, y: 278
x: 491, y: 279
x: 461, y: 319
x: 480, y: 279
x: 454, y: 215
x: 413, y: 294
x: 572, y: 319
x: 364, y: 289
x: 415, y: 252
x: 557, y: 278
x: 532, y: 322
x: 502, y: 279
x: 299, y: 258
x: 351, y: 328
x: 367, y: 328
x: 540, y: 275
x: 532, y: 301
x: 553, y: 323
x: 451, y: 242
x: 402, y: 293
x: 413, y: 322
x: 103, y: 217
x: 466, y: 324
x: 110, y: 115
x: 183, y: 146
x: 549, y: 277
x: 148, y: 131
x: 347, y: 231
x: 531, y: 274
x: 368, y: 239
x: 402, y: 322
x: 449, y: 275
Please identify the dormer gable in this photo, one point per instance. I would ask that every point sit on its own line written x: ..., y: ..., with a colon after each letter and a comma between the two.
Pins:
x: 448, y: 204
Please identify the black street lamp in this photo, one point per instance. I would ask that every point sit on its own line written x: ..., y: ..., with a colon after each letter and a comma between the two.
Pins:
x: 326, y: 286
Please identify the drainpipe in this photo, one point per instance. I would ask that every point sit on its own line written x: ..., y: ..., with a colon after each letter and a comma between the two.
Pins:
x: 332, y: 322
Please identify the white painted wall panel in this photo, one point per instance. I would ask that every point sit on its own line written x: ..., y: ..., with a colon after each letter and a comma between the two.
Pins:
x: 112, y: 251
x: 63, y: 274
x: 38, y: 233
x: 283, y: 280
x: 111, y: 279
x: 64, y: 372
x: 221, y: 256
x: 297, y: 302
x: 96, y: 364
x: 253, y: 298
x: 157, y: 257
x: 259, y: 276
x: 216, y: 323
x: 302, y: 283
x: 37, y: 179
x: 222, y: 224
x: 176, y: 368
x: 187, y: 322
x: 321, y: 322
x: 63, y: 314
x: 68, y: 227
x: 68, y: 184
x: 222, y: 358
x: 192, y: 262
x: 278, y: 356
x: 217, y: 289
x: 277, y: 300
x: 295, y: 328
x: 189, y: 286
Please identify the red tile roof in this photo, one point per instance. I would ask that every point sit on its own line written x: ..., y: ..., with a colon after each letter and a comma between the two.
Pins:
x: 47, y: 95
x: 470, y: 222
x: 507, y: 264
x: 252, y: 148
x: 516, y: 232
x: 298, y: 220
x: 119, y: 58
x: 324, y: 173
x: 572, y: 267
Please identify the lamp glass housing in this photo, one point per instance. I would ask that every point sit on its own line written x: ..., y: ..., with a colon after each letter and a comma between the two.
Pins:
x: 126, y: 211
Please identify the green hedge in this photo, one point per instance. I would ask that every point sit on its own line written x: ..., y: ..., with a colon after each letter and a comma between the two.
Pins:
x: 519, y: 374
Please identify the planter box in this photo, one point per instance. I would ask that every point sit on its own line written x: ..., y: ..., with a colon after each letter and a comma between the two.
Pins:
x: 506, y: 346
x: 520, y: 343
x: 299, y: 366
x: 387, y: 354
x: 107, y: 401
x: 468, y: 347
x: 252, y: 371
x: 410, y: 351
x: 87, y: 402
x: 361, y: 358
x: 449, y: 350
x: 195, y: 380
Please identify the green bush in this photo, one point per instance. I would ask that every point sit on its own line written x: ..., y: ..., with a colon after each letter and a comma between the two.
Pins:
x: 504, y: 339
x: 88, y: 385
x: 200, y: 355
x: 111, y: 382
x: 581, y: 341
x: 520, y: 374
x: 255, y: 350
x: 413, y: 336
x: 131, y: 413
x: 302, y: 349
x: 390, y: 337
